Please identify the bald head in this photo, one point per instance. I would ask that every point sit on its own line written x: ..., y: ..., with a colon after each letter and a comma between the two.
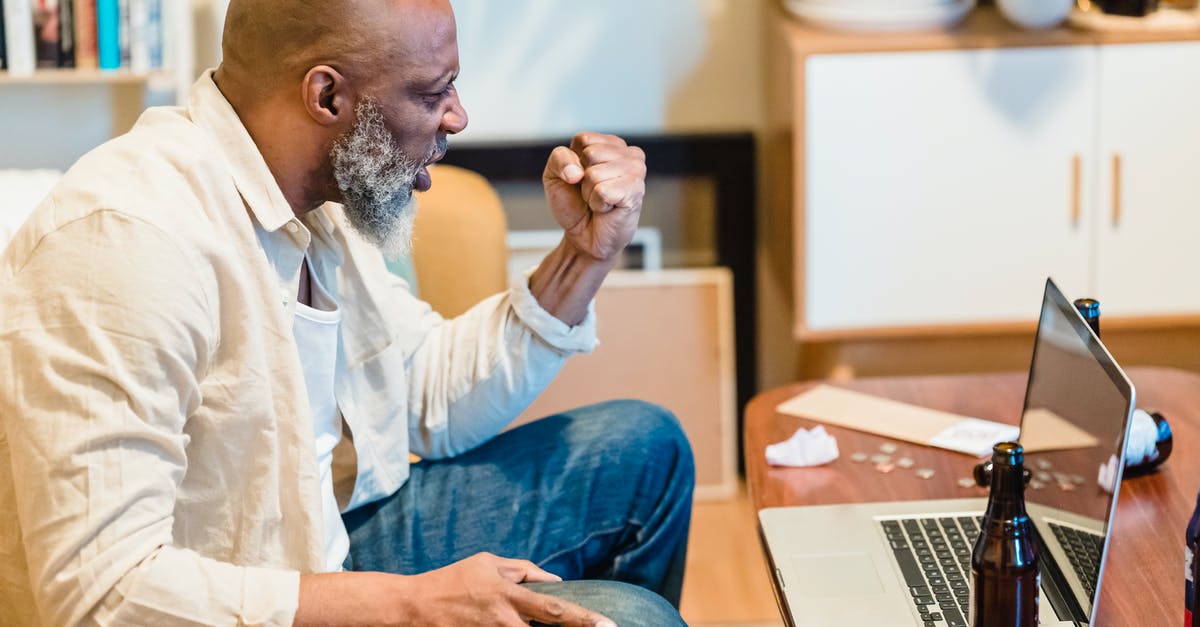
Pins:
x: 268, y: 44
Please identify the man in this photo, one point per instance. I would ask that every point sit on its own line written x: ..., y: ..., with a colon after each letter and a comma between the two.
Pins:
x: 203, y: 361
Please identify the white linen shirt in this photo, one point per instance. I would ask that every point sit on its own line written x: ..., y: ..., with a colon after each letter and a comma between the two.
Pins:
x: 156, y: 449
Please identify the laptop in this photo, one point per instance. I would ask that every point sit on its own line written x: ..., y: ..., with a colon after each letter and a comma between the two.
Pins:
x: 909, y: 563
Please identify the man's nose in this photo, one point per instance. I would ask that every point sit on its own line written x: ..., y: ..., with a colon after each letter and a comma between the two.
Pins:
x: 455, y: 118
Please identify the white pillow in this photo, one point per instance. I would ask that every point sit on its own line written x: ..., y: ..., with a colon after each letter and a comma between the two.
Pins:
x: 20, y: 193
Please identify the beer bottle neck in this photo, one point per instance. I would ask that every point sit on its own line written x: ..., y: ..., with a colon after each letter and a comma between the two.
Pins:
x: 1007, y: 501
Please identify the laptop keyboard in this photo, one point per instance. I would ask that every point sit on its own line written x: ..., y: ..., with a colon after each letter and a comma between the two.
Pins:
x: 1083, y: 551
x: 934, y: 554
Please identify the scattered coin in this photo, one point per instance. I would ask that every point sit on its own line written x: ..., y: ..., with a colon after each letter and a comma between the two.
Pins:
x: 859, y: 457
x: 888, y: 447
x: 966, y: 482
x: 885, y: 468
x: 1044, y: 464
x: 925, y: 473
x: 1077, y: 479
x: 1062, y: 477
x: 1067, y: 487
x: 1037, y: 485
x: 1042, y: 476
x: 880, y: 458
x: 905, y: 462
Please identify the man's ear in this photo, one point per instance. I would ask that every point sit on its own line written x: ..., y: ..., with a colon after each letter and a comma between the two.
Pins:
x: 326, y: 94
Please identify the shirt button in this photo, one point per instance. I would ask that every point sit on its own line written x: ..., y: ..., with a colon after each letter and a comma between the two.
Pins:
x: 292, y: 228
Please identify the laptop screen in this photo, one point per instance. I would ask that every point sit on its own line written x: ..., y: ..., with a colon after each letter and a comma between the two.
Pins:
x: 1077, y: 407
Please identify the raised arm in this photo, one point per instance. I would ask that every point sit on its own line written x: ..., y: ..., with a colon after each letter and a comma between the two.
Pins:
x: 594, y: 189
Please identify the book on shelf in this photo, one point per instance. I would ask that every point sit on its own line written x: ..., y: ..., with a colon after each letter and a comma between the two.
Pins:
x: 85, y: 34
x: 139, y: 35
x: 66, y: 33
x: 46, y: 32
x: 123, y: 32
x: 108, y: 43
x: 3, y: 45
x: 18, y: 35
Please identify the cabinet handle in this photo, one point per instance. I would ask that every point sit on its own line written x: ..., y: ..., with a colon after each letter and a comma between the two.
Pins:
x: 1116, y: 190
x: 1076, y: 207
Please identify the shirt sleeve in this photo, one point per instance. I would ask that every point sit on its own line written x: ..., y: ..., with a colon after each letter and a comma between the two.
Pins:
x: 102, y: 347
x: 471, y: 376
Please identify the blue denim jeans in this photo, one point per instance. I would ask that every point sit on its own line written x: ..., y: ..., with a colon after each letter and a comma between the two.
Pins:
x: 599, y: 493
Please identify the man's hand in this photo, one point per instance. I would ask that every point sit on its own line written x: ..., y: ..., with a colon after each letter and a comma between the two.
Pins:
x: 595, y: 190
x: 480, y: 590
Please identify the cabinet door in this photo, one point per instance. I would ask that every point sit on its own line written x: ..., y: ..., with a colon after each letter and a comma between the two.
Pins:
x: 943, y: 187
x: 1149, y: 225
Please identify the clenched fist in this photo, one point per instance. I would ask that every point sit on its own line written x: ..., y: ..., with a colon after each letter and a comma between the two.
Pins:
x: 595, y: 190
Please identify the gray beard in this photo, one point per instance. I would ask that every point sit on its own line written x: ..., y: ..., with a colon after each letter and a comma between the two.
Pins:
x: 376, y: 180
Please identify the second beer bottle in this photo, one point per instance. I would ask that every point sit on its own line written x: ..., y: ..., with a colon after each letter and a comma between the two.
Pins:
x: 1004, y: 564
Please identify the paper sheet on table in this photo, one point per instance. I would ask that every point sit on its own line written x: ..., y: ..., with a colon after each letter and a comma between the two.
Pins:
x: 1044, y: 430
x: 901, y: 421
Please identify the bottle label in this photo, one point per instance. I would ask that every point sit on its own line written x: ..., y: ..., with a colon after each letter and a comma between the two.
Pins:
x: 1037, y: 599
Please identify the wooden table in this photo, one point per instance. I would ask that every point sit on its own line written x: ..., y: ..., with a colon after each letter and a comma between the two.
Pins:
x: 1143, y: 580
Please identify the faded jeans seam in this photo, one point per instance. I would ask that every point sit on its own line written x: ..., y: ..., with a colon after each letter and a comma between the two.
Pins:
x: 589, y: 538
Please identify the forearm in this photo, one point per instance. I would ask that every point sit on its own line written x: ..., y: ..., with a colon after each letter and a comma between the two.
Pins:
x: 330, y: 599
x: 567, y: 281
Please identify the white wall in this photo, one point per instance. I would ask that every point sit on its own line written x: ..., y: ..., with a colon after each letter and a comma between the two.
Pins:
x: 532, y: 70
x: 535, y: 69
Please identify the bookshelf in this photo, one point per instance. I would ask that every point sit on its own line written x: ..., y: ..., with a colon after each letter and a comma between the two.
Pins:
x: 71, y: 76
x: 52, y: 116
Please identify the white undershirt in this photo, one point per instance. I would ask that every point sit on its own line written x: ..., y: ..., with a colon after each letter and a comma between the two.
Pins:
x: 316, y: 332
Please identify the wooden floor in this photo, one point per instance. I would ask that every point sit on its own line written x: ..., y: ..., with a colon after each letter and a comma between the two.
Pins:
x: 726, y: 580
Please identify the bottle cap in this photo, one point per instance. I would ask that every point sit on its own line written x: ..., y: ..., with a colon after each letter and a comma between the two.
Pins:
x: 1008, y: 454
x: 1089, y: 308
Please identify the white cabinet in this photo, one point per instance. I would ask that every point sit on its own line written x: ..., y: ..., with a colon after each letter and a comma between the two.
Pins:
x: 939, y: 185
x: 1148, y: 229
x: 942, y: 187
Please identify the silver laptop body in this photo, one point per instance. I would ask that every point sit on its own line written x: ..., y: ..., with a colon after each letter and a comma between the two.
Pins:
x: 840, y: 565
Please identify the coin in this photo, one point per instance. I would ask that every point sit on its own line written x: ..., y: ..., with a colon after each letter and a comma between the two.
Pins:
x: 925, y: 473
x: 966, y: 482
x: 859, y: 457
x: 1042, y: 476
x: 1037, y: 485
x: 888, y: 447
x: 905, y: 462
x: 1067, y: 487
x: 1077, y: 479
x: 880, y: 458
x: 885, y: 468
x: 1062, y: 477
x: 1044, y: 464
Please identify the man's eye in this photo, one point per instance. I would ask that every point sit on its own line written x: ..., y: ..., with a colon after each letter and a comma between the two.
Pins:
x: 441, y: 94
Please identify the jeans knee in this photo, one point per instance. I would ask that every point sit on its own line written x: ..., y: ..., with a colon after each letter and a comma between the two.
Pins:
x: 640, y: 425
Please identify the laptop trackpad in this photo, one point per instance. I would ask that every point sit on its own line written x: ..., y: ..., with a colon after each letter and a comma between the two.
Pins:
x: 833, y: 575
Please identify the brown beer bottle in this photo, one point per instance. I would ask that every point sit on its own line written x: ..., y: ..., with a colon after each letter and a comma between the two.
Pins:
x: 1004, y: 564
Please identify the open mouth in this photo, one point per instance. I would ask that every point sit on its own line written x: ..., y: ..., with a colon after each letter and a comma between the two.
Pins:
x: 423, y: 181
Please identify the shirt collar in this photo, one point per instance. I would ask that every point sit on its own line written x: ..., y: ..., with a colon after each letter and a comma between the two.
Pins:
x: 210, y: 109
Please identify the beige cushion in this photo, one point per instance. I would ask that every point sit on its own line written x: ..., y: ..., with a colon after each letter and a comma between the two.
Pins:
x: 460, y: 253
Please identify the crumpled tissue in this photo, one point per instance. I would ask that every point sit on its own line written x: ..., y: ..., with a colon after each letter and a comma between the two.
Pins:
x: 808, y: 447
x: 1140, y: 446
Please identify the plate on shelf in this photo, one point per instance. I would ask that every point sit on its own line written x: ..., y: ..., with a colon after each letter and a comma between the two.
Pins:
x: 880, y: 5
x: 880, y: 16
x: 1160, y: 20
